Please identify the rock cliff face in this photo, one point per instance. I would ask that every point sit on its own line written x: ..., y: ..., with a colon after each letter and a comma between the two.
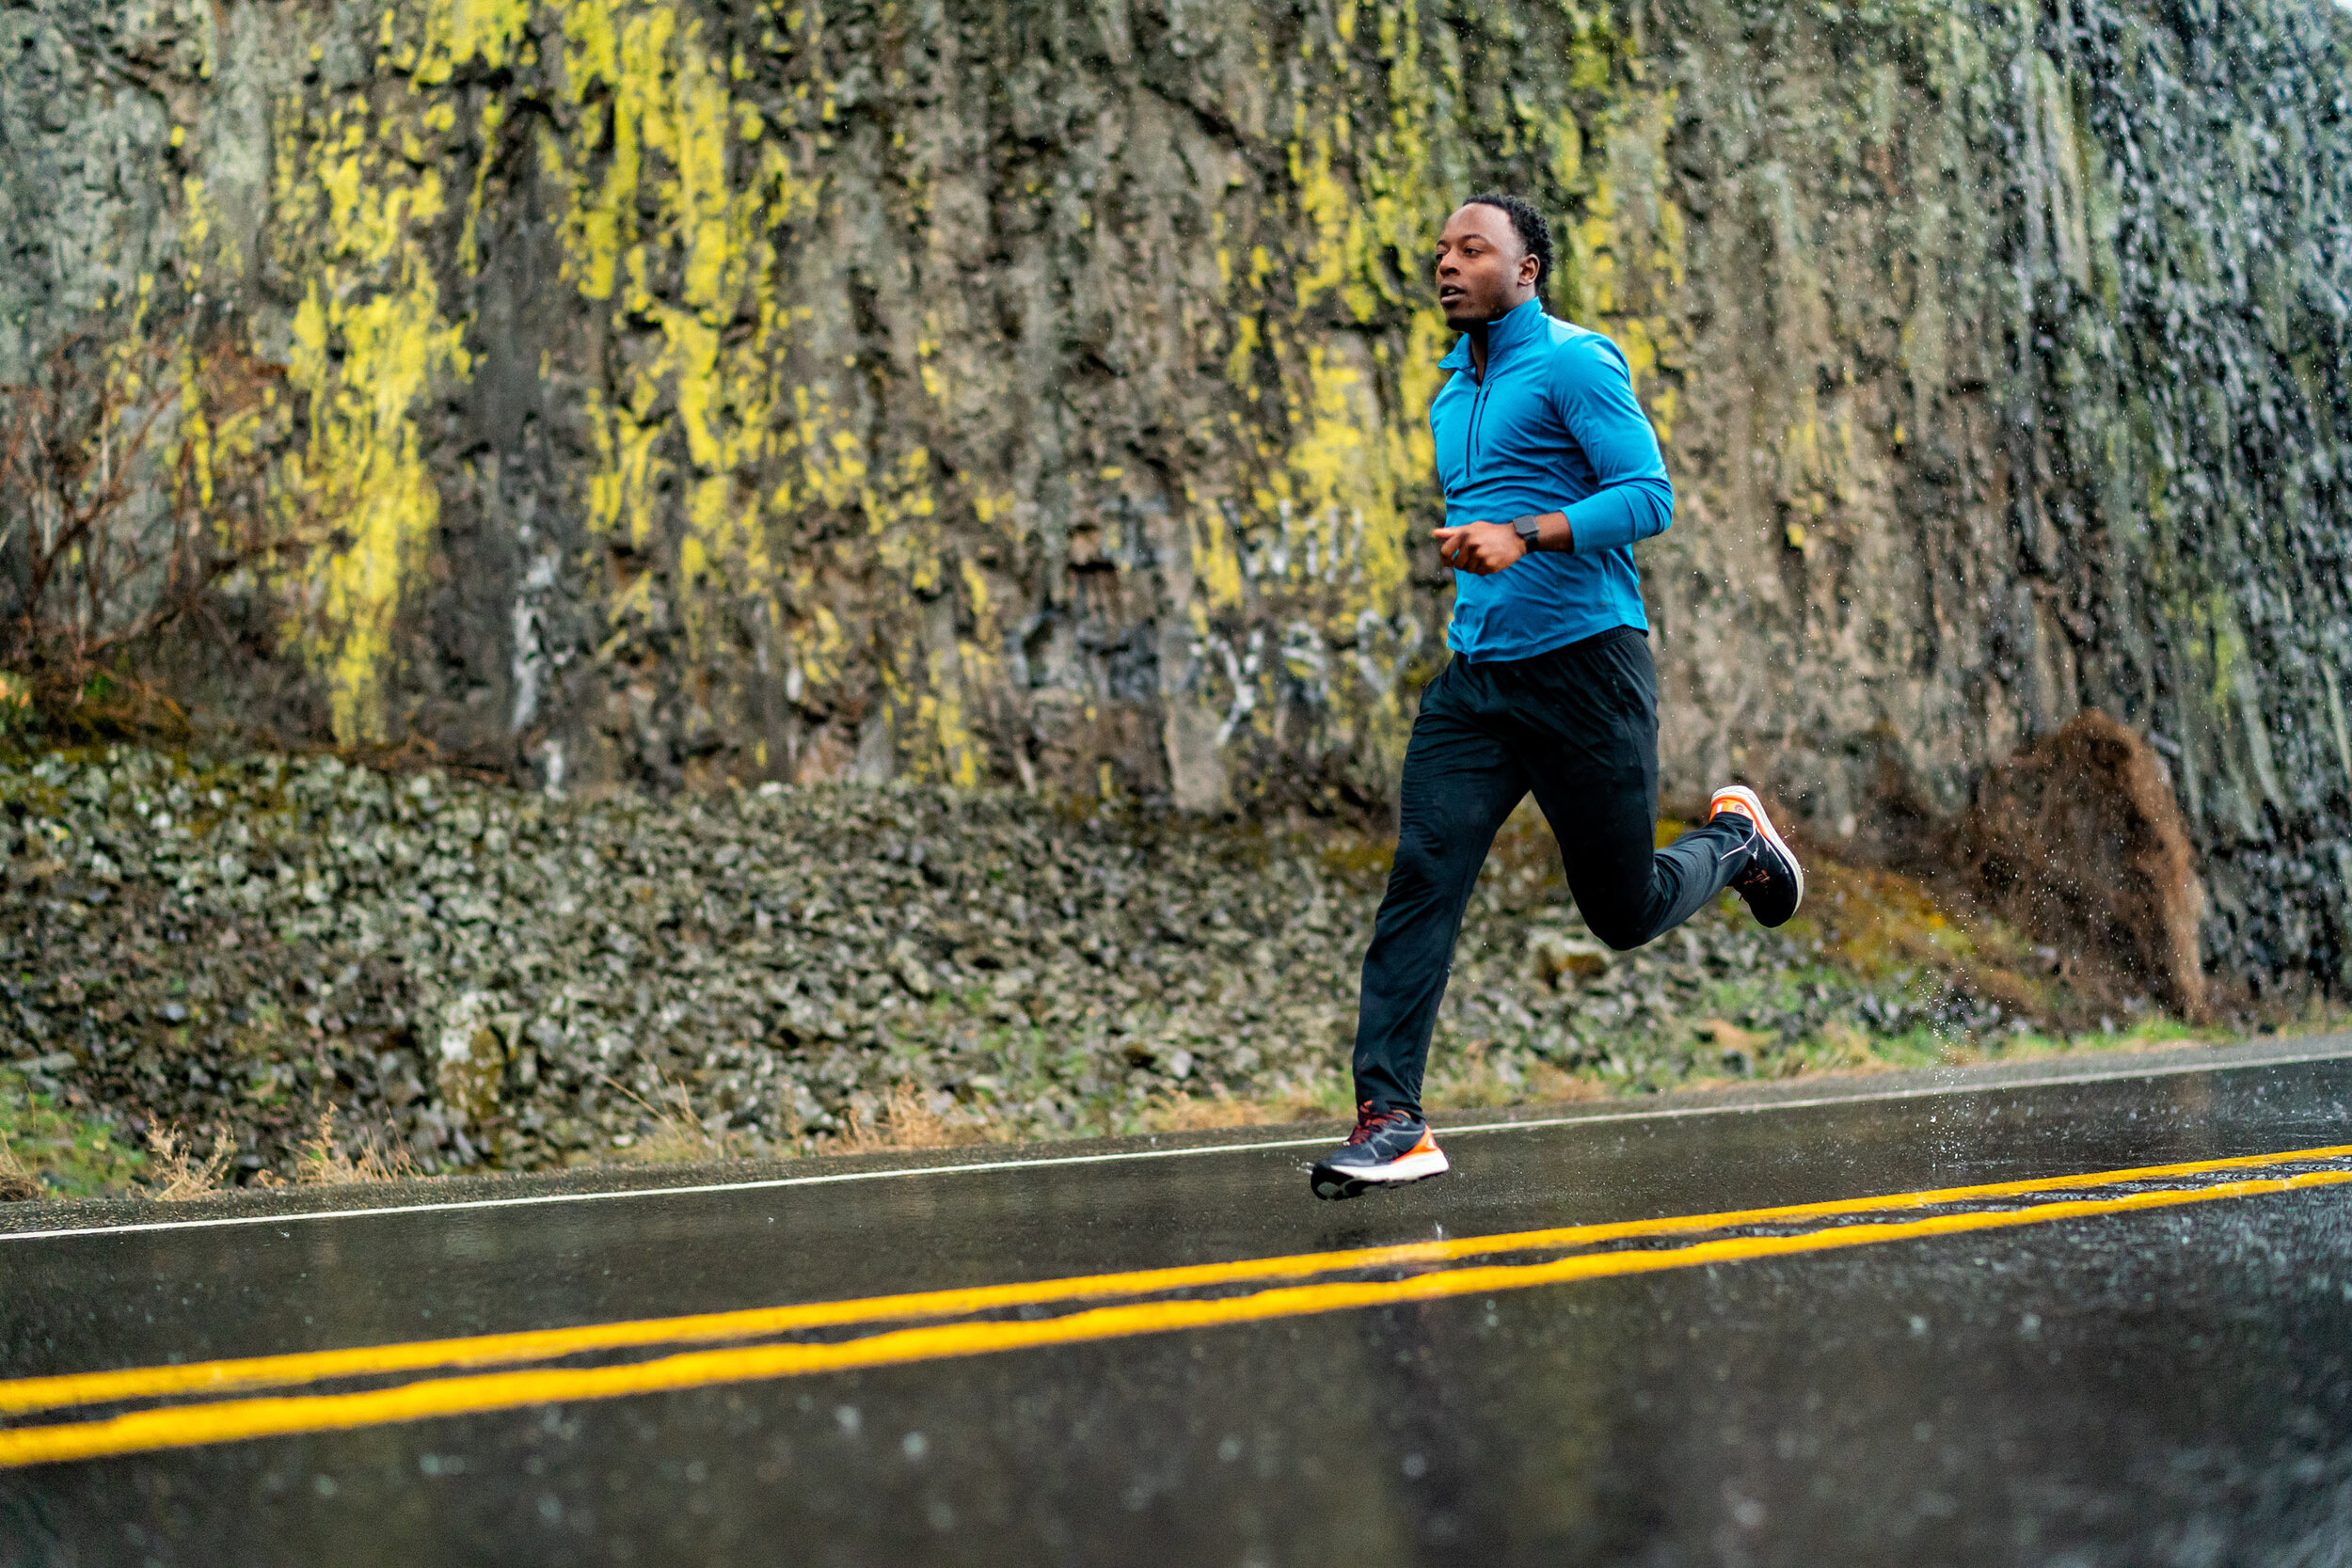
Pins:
x: 1034, y: 390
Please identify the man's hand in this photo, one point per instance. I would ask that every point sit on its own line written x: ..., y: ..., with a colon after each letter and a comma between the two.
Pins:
x: 1479, y: 548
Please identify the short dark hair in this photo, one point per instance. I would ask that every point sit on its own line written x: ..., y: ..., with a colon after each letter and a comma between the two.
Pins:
x: 1527, y: 223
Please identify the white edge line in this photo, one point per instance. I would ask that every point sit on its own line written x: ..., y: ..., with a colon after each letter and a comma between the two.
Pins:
x: 1597, y: 1115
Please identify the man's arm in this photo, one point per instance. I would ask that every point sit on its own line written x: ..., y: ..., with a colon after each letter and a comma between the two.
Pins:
x: 1593, y: 395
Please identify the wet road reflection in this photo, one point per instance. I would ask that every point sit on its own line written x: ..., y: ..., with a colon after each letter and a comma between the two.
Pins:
x: 2163, y: 1359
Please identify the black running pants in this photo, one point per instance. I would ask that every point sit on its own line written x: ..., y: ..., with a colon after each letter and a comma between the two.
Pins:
x: 1578, y: 726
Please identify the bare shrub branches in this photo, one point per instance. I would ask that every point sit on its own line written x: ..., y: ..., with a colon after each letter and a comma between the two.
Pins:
x: 133, y: 479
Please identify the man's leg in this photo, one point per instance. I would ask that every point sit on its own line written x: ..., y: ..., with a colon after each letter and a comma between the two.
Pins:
x: 1588, y: 740
x: 1460, y: 784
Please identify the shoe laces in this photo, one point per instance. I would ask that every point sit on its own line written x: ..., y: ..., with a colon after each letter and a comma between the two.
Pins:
x: 1368, y: 1123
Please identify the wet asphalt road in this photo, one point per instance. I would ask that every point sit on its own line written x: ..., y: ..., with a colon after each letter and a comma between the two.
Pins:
x: 2145, y: 1388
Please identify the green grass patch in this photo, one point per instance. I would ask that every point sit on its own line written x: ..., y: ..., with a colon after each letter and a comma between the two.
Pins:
x: 70, y: 1153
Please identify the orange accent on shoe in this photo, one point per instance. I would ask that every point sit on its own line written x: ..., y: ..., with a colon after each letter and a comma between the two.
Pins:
x: 1730, y: 803
x: 1428, y: 1145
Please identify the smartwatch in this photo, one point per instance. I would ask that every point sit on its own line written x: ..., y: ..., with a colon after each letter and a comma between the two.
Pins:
x: 1528, y: 529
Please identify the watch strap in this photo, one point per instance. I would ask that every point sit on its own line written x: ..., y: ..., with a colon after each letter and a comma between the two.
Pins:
x: 1530, y: 529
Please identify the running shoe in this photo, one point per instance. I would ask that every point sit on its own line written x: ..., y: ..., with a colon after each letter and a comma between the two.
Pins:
x: 1774, y: 883
x: 1386, y: 1150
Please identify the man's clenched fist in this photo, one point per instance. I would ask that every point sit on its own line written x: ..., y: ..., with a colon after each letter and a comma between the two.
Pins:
x: 1480, y: 549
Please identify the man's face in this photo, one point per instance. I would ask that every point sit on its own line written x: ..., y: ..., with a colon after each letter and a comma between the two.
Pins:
x: 1481, y: 270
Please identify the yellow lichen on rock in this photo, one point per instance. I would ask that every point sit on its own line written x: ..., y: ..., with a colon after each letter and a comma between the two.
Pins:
x: 678, y: 202
x: 368, y: 340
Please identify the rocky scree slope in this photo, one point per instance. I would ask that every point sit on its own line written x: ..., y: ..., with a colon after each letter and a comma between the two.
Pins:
x: 504, y: 979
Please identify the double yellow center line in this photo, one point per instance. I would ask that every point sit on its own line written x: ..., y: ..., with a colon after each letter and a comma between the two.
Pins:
x: 461, y: 1391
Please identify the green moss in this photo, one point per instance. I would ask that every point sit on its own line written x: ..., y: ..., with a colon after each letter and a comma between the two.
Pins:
x: 73, y: 1154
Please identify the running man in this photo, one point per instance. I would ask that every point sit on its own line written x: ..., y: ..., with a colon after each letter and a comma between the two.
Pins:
x: 1551, y: 473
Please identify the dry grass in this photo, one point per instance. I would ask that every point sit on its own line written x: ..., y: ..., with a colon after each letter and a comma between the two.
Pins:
x: 1184, y: 1113
x: 677, y: 1136
x: 175, y: 1172
x: 1218, y: 1109
x: 17, y: 1184
x: 1468, y: 1079
x: 906, y: 1120
x: 1471, y: 1085
x: 323, y: 1161
x: 1551, y: 1086
x: 683, y: 1140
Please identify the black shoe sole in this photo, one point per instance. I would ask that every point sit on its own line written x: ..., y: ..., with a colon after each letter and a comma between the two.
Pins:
x: 1771, y: 918
x: 1335, y: 1185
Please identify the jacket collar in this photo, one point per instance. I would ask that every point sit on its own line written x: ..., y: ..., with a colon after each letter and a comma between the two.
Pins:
x: 1504, y: 333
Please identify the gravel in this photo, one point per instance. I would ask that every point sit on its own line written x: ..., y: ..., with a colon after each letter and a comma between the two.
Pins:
x: 501, y: 979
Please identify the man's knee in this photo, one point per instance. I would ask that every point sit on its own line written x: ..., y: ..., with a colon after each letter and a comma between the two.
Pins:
x: 1426, y: 865
x: 1418, y: 867
x: 1622, y: 933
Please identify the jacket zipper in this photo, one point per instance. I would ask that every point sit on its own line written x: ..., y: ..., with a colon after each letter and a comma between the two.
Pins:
x: 1478, y: 410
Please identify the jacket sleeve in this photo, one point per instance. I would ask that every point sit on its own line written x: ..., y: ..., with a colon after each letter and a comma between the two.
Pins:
x: 1593, y: 393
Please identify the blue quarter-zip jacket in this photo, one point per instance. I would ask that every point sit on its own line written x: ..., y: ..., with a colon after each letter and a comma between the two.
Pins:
x: 1553, y: 426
